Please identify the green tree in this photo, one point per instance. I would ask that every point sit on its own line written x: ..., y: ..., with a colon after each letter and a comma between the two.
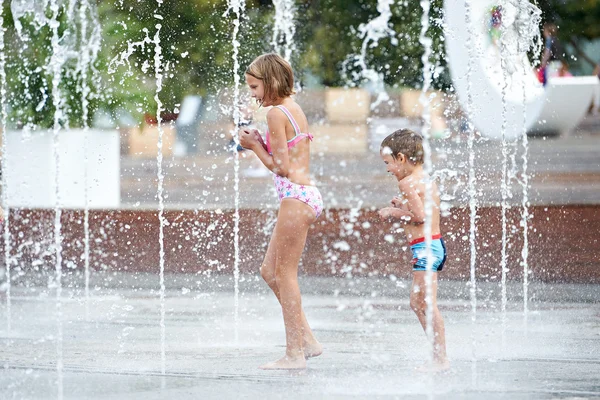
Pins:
x: 195, y: 38
x: 29, y: 73
x: 196, y: 50
x: 328, y: 34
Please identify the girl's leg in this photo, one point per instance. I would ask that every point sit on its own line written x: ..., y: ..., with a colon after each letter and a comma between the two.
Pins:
x: 293, y: 221
x: 418, y: 303
x: 312, y: 347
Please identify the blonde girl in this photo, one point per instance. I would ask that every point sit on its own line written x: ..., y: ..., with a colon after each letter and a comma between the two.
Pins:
x: 286, y: 153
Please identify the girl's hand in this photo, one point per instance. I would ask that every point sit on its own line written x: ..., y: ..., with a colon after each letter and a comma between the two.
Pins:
x: 248, y: 138
x: 259, y: 138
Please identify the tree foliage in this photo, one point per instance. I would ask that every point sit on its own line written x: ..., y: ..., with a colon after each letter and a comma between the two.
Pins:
x: 328, y: 33
x: 196, y: 50
x: 580, y: 18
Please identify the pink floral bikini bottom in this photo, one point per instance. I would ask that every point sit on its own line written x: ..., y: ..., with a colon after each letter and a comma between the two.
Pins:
x: 306, y: 194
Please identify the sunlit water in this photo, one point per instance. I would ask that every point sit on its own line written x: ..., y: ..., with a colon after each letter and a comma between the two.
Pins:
x: 6, y: 214
x: 283, y: 41
x: 284, y: 28
x: 371, y: 33
x: 236, y: 7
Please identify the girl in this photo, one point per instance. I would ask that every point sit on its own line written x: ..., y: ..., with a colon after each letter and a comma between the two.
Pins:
x: 286, y: 153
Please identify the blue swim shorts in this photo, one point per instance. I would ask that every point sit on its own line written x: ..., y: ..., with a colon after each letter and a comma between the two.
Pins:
x: 438, y: 250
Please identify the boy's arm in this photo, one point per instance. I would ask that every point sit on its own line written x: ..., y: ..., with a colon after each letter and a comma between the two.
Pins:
x: 396, y: 215
x: 416, y: 210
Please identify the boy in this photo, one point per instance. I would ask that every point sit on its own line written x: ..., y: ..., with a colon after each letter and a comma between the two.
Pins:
x: 402, y: 152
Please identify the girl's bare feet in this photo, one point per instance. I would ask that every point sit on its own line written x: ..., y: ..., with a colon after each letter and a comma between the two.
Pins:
x: 287, y: 362
x: 313, y: 349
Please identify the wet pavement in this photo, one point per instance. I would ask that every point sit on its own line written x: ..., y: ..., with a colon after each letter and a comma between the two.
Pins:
x: 111, y: 343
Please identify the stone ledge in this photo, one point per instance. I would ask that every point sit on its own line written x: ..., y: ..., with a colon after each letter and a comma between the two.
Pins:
x: 563, y: 243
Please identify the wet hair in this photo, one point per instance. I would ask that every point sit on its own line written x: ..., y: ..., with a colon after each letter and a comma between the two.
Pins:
x: 406, y: 142
x: 276, y: 73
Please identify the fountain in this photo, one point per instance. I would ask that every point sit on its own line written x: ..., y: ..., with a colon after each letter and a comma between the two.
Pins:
x: 371, y: 33
x: 284, y: 28
x: 428, y: 168
x: 5, y: 207
x: 236, y: 7
x: 472, y: 203
x: 161, y: 285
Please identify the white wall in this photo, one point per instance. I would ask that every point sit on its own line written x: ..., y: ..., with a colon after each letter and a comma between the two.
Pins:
x: 31, y: 169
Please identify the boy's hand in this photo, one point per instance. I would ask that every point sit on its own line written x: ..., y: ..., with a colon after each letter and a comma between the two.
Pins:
x: 397, y: 202
x: 387, y: 213
x: 393, y: 213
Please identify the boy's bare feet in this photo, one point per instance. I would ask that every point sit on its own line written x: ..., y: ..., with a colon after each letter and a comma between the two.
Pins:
x: 434, y: 367
x: 286, y: 362
x: 313, y: 349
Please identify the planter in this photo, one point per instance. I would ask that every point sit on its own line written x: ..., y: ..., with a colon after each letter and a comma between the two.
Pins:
x: 347, y: 105
x: 144, y: 142
x: 31, y: 169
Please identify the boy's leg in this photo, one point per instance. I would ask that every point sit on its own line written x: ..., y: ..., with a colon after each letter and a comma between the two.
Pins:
x: 418, y: 302
x: 312, y: 347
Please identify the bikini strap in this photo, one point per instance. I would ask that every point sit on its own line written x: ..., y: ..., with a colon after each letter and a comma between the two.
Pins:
x: 291, y: 118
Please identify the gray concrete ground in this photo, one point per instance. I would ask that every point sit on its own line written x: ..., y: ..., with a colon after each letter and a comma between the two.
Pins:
x: 562, y: 170
x: 111, y: 344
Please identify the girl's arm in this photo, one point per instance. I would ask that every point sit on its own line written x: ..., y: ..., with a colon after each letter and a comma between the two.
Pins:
x: 278, y: 162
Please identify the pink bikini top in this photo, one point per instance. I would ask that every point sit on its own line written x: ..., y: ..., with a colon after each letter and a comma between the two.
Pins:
x: 293, y: 141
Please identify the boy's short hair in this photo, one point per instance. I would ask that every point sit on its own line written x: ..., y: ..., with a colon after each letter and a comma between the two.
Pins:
x: 276, y: 73
x: 406, y: 142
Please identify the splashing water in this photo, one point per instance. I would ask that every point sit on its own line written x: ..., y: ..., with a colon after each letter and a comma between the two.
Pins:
x: 158, y: 75
x: 504, y: 187
x: 36, y: 8
x: 526, y: 24
x: 284, y: 27
x: 6, y: 214
x: 524, y: 219
x: 122, y: 60
x: 64, y: 48
x: 85, y: 63
x: 426, y: 42
x: 84, y: 89
x: 472, y: 200
x: 56, y: 62
x: 371, y: 33
x: 237, y: 7
x: 520, y: 33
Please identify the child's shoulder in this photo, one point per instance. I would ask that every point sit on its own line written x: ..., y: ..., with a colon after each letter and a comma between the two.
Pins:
x: 275, y: 114
x: 408, y: 183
